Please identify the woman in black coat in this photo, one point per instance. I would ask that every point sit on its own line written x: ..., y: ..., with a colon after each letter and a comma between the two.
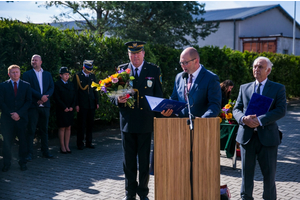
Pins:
x: 64, y: 96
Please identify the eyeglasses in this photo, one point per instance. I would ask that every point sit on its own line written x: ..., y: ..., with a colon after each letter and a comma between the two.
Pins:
x: 186, y: 62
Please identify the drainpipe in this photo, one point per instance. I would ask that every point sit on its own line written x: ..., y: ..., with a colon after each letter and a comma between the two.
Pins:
x: 234, y: 27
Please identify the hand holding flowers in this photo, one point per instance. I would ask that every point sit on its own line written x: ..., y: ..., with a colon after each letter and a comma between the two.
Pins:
x: 118, y: 85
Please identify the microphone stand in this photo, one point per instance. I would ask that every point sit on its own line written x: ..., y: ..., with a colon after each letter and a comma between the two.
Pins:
x: 191, y: 125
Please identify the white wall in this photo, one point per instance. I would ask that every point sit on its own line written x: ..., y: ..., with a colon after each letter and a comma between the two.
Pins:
x: 267, y: 23
x: 287, y: 43
x: 224, y: 36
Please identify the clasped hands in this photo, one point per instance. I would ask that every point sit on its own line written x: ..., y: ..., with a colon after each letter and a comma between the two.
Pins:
x: 122, y: 99
x: 251, y: 121
x: 44, y: 99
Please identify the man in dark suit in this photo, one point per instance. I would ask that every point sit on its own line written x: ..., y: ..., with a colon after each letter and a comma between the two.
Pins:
x: 203, y: 87
x: 86, y: 103
x: 42, y: 88
x: 15, y: 100
x: 259, y: 135
x: 136, y: 122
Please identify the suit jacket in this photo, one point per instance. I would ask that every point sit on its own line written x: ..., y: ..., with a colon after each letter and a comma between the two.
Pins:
x: 140, y: 118
x: 19, y: 104
x: 88, y: 98
x: 268, y: 133
x: 64, y: 95
x: 48, y: 87
x: 204, y: 96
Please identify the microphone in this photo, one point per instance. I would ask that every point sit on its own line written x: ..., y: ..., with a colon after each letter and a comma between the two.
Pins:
x: 185, y: 76
x: 186, y: 93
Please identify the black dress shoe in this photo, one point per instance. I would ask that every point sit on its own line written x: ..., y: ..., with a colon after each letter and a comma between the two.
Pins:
x: 90, y: 146
x: 69, y: 151
x: 23, y: 167
x: 5, y: 168
x: 63, y: 152
x: 47, y: 155
x: 29, y: 158
x: 129, y: 198
x: 80, y: 147
x: 144, y: 198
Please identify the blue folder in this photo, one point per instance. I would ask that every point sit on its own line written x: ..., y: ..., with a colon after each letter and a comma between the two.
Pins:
x: 258, y: 105
x: 159, y: 104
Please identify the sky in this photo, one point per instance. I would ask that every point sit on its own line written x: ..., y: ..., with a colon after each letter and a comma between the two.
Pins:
x: 30, y: 11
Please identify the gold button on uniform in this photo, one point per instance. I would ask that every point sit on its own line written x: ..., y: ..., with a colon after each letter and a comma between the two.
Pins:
x: 146, y: 87
x: 141, y: 108
x: 142, y: 97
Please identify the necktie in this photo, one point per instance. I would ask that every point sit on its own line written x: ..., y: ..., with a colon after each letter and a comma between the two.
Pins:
x: 136, y: 76
x: 258, y: 89
x: 190, y: 83
x: 15, y: 88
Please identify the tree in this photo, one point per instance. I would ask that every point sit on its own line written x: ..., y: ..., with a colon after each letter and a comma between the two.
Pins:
x: 95, y: 14
x: 172, y: 23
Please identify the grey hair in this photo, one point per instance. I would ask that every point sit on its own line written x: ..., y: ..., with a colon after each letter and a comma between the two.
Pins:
x: 269, y: 63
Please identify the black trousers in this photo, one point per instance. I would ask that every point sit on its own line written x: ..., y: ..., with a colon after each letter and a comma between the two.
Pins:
x: 136, y: 145
x: 38, y: 118
x: 11, y: 129
x: 85, y: 120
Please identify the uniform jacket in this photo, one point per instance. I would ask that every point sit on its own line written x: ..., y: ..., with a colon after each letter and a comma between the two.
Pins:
x: 204, y: 96
x: 19, y: 104
x: 140, y: 118
x: 48, y: 87
x: 268, y: 133
x: 88, y: 98
x: 64, y: 95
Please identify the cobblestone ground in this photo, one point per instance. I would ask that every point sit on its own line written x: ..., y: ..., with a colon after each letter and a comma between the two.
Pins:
x: 97, y: 173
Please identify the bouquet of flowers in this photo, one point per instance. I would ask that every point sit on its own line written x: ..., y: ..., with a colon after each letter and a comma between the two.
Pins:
x: 118, y: 84
x: 225, y: 114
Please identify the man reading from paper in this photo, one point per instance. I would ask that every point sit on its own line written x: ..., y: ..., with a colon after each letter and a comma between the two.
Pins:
x: 203, y: 87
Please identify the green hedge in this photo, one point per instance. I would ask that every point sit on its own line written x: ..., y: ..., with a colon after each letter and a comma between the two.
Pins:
x: 19, y: 41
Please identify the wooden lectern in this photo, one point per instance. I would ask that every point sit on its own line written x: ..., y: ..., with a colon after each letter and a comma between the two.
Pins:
x: 172, y: 159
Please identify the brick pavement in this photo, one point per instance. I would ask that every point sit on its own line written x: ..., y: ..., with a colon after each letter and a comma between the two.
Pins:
x: 97, y: 173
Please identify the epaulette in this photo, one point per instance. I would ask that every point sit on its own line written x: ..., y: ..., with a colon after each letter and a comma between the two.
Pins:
x: 153, y: 64
x: 123, y: 65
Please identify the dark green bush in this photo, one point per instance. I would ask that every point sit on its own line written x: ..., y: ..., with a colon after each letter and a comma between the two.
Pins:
x: 19, y: 41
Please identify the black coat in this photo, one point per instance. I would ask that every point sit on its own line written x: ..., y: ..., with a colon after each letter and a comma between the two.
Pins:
x: 140, y: 118
x: 19, y: 104
x: 88, y: 98
x: 65, y: 97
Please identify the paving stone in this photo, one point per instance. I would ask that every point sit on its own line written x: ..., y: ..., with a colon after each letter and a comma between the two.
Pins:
x: 98, y: 173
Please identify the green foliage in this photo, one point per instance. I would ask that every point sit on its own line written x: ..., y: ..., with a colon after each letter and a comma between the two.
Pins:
x: 19, y: 41
x: 159, y: 22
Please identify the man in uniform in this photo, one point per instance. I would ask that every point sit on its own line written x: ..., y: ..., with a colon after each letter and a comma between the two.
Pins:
x: 136, y: 123
x: 86, y: 104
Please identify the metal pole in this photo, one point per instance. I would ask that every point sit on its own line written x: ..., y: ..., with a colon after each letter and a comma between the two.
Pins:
x: 294, y: 29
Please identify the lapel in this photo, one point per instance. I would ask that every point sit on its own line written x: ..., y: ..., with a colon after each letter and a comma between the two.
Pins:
x: 11, y: 89
x: 20, y: 88
x: 36, y: 81
x: 252, y: 89
x: 198, y: 80
x: 62, y: 84
x: 267, y: 88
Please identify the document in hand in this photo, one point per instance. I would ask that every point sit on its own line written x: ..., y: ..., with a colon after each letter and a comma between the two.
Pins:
x: 159, y: 104
x: 258, y: 105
